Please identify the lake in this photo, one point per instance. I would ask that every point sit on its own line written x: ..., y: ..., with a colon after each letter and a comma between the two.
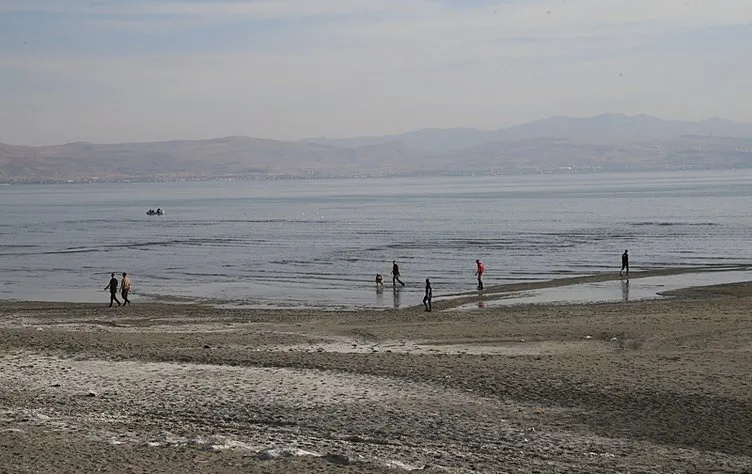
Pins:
x: 321, y: 242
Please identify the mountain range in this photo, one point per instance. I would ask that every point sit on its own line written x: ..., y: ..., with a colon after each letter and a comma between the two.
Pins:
x: 601, y: 129
x: 600, y: 143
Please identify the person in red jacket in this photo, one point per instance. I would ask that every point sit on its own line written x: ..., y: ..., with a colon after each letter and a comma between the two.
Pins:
x: 479, y: 270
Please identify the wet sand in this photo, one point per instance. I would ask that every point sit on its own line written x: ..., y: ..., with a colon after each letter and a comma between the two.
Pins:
x: 646, y: 386
x: 584, y: 288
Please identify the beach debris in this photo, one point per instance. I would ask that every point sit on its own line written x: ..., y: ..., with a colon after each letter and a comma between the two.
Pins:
x: 276, y: 453
x: 207, y: 346
x: 269, y: 454
x: 214, y: 443
x: 165, y: 437
x: 36, y: 418
x: 91, y: 393
x: 55, y: 385
x: 394, y: 464
x: 613, y: 339
x: 592, y: 454
x: 588, y: 337
x: 221, y: 443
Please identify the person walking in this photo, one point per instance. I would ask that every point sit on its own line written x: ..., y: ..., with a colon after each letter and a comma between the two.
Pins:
x: 396, y: 274
x: 429, y: 295
x: 479, y: 270
x: 125, y: 288
x: 112, y: 286
x: 624, y: 263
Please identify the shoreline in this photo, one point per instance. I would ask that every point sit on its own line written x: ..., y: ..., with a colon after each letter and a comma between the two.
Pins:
x: 509, y: 293
x: 738, y: 289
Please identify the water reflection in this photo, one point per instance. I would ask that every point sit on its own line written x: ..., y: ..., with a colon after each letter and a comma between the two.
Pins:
x: 625, y: 289
x: 396, y: 293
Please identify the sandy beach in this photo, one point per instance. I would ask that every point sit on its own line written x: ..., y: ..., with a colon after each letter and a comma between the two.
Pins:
x: 639, y: 387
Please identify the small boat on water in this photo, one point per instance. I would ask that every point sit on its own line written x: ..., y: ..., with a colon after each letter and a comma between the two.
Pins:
x: 152, y: 212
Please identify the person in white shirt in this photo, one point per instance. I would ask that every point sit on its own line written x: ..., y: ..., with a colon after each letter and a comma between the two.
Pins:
x: 125, y: 288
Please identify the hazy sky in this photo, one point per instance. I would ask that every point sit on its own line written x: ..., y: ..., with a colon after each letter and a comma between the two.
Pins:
x: 133, y: 70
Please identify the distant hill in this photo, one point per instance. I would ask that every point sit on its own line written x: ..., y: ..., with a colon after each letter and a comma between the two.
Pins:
x: 605, y: 128
x: 557, y: 154
x: 189, y: 159
x: 604, y: 142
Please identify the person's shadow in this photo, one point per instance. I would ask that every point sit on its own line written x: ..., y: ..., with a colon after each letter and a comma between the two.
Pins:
x: 396, y: 293
x: 625, y: 289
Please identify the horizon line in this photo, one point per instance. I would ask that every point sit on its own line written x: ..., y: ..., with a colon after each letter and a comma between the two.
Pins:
x: 356, y: 137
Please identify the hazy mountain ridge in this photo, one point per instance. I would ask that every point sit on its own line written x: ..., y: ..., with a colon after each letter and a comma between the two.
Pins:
x: 187, y: 159
x: 605, y: 128
x: 605, y: 142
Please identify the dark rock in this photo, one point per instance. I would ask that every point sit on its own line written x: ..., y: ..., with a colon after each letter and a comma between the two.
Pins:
x: 339, y: 459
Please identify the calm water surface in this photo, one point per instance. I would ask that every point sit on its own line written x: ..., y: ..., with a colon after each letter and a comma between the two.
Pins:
x: 320, y: 242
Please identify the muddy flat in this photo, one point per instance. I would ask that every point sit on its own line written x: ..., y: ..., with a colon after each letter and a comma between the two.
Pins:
x: 639, y: 387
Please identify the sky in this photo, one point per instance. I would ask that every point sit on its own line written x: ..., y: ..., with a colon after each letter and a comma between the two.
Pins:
x: 140, y: 70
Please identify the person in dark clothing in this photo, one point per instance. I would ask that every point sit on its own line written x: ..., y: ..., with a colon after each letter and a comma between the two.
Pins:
x: 624, y: 263
x: 113, y: 287
x: 479, y: 269
x: 429, y: 295
x: 396, y: 274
